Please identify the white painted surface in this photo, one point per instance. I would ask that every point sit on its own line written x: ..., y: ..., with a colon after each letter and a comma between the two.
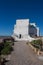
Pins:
x: 22, y: 27
x: 38, y: 33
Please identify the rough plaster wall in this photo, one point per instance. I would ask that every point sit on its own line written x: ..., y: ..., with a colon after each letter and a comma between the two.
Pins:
x: 22, y: 27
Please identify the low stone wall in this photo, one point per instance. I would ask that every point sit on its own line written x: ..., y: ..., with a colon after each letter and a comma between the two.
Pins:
x: 37, y: 51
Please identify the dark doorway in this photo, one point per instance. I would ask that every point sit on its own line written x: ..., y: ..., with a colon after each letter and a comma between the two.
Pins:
x: 19, y: 35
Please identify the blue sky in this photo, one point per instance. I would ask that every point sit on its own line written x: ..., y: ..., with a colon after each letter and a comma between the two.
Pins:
x: 10, y: 10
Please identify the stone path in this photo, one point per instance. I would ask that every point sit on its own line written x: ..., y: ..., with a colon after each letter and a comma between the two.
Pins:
x: 23, y: 55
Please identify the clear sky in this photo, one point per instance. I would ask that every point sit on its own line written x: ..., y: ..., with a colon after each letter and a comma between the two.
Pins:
x: 10, y: 10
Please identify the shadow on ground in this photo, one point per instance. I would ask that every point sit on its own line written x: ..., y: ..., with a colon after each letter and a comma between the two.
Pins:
x: 4, y: 61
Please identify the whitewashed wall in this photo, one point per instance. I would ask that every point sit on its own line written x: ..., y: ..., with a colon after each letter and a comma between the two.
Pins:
x: 21, y: 27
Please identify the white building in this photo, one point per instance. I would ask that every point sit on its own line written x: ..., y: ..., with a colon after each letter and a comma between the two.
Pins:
x: 23, y: 30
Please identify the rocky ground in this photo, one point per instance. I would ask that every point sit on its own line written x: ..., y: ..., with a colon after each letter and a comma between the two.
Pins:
x: 23, y: 55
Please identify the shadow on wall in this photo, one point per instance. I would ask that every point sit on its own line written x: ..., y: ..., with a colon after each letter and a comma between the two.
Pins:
x: 32, y: 31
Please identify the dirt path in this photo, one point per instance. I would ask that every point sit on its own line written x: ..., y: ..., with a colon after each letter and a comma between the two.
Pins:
x: 23, y: 55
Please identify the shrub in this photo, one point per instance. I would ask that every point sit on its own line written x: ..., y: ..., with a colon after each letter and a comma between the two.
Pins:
x: 37, y: 43
x: 6, y: 50
x: 8, y: 43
